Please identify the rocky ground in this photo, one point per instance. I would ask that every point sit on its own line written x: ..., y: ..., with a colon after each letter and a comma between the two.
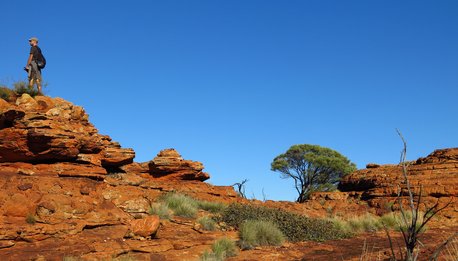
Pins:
x: 69, y: 192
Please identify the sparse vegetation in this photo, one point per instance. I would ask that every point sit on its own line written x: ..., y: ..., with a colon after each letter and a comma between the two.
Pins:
x: 70, y: 258
x: 31, y: 219
x: 221, y: 249
x: 181, y: 205
x: 21, y: 87
x: 412, y: 222
x: 213, y: 207
x: 241, y: 188
x: 161, y: 210
x: 207, y: 223
x: 184, y: 206
x: 451, y: 250
x: 295, y: 227
x: 260, y: 233
x: 355, y: 225
x: 5, y: 93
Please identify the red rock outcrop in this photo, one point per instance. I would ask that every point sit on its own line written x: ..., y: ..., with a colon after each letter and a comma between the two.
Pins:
x: 170, y: 165
x: 56, y: 199
x: 48, y: 130
x: 436, y: 175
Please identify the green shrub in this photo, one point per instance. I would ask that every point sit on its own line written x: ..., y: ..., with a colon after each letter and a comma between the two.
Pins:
x: 209, y: 256
x: 221, y: 249
x: 395, y: 220
x: 224, y: 247
x: 5, y: 93
x: 354, y: 225
x: 294, y: 226
x: 161, y: 210
x: 31, y: 219
x: 22, y: 87
x: 213, y: 207
x: 260, y: 233
x: 185, y: 206
x: 207, y: 223
x: 181, y: 205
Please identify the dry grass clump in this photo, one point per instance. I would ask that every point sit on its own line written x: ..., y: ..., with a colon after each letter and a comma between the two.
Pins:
x: 370, y: 223
x: 183, y: 206
x: 6, y: 93
x: 260, y: 233
x: 207, y: 223
x: 212, y: 207
x: 451, y: 251
x: 221, y: 249
x: 22, y: 87
x: 180, y: 204
x: 161, y: 210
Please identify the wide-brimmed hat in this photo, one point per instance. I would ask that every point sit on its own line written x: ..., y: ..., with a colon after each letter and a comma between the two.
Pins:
x: 33, y: 39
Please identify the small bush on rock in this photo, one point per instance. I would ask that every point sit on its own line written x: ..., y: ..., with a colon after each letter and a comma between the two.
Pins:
x: 181, y: 205
x: 185, y: 206
x: 260, y: 233
x: 22, y: 87
x: 221, y: 249
x: 294, y: 226
x: 5, y: 93
x: 213, y: 207
x: 359, y: 224
x: 207, y: 223
x: 161, y: 210
x: 31, y: 219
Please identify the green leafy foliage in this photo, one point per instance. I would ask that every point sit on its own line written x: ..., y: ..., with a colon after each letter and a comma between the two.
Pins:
x: 260, y: 233
x: 313, y: 168
x: 294, y: 226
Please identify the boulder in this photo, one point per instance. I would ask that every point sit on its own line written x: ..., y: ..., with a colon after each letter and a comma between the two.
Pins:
x: 145, y: 227
x: 169, y: 164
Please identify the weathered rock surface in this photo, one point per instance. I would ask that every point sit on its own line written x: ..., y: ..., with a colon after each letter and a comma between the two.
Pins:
x: 170, y: 165
x: 67, y: 191
x: 48, y: 130
x: 436, y: 175
x: 145, y: 227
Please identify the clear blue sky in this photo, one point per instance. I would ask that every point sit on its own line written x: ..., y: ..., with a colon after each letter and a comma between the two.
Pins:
x: 234, y: 83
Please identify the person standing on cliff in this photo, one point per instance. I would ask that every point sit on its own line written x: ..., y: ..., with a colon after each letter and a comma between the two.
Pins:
x: 34, y: 64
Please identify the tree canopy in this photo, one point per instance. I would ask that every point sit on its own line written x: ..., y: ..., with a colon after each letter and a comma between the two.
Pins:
x: 313, y: 168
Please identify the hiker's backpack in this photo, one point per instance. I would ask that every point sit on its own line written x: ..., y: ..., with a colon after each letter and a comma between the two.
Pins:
x: 41, y: 61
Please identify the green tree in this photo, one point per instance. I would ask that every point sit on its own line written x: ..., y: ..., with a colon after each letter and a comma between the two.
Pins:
x: 313, y: 168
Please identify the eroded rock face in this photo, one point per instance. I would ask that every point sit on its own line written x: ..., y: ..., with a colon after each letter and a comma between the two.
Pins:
x: 55, y: 191
x: 436, y: 174
x: 169, y: 164
x: 49, y: 130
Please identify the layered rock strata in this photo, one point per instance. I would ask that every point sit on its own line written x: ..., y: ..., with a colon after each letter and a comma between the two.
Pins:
x: 436, y: 175
x: 44, y: 130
